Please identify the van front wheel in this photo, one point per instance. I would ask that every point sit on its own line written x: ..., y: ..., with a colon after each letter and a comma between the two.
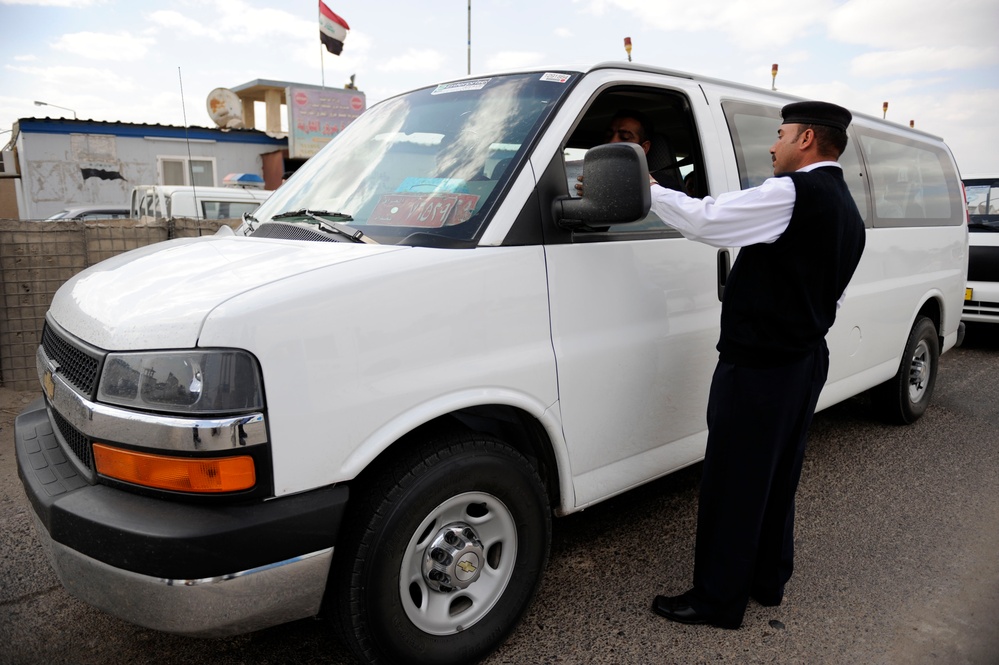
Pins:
x: 442, y: 554
x: 903, y: 398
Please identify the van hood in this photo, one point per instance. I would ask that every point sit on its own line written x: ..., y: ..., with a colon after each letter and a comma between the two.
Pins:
x: 157, y: 297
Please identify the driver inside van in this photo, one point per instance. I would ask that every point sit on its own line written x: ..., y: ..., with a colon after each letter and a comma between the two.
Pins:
x: 627, y: 126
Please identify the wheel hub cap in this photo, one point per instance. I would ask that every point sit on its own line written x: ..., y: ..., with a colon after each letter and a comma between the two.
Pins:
x: 453, y: 560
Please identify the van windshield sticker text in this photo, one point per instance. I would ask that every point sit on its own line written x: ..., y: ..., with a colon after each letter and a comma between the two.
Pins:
x: 460, y: 86
x: 557, y: 78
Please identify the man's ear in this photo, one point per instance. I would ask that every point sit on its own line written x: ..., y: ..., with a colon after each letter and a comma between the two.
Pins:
x: 806, y: 139
x: 646, y: 145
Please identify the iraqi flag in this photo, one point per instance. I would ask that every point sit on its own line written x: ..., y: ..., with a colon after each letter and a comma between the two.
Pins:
x: 332, y: 29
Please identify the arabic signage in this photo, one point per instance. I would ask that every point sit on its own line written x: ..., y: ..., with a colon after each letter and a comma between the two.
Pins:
x: 316, y: 115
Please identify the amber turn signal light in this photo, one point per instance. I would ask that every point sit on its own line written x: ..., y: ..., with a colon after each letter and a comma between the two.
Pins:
x: 181, y: 474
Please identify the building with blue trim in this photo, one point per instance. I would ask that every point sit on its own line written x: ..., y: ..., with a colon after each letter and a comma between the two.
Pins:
x: 56, y: 163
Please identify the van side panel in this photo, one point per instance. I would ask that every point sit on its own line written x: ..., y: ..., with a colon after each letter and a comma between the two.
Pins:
x: 357, y: 354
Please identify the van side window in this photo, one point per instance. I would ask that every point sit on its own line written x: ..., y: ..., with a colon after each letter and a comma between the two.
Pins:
x: 754, y: 130
x: 673, y: 155
x: 913, y: 184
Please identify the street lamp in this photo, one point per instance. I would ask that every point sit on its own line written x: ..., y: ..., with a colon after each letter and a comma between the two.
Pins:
x: 58, y: 107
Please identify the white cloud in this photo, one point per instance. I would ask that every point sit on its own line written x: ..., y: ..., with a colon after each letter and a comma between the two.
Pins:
x: 25, y: 58
x: 513, y: 60
x: 898, y: 24
x: 563, y: 33
x: 179, y: 25
x: 747, y: 24
x: 236, y: 22
x: 413, y: 60
x: 242, y: 23
x: 923, y: 59
x: 72, y: 79
x: 103, y: 46
x: 75, y: 4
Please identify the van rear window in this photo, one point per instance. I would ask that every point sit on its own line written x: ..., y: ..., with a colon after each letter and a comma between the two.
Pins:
x: 913, y: 183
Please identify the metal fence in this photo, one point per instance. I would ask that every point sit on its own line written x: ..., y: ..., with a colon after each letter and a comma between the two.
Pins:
x: 36, y: 258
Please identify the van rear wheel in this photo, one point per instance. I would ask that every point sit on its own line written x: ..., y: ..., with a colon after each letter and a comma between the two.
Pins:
x: 903, y: 398
x: 443, y: 553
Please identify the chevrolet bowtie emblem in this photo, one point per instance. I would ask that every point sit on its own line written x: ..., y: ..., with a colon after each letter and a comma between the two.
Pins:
x: 48, y: 384
x: 466, y: 566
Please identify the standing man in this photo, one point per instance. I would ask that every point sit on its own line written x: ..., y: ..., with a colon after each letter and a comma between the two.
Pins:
x: 801, y: 237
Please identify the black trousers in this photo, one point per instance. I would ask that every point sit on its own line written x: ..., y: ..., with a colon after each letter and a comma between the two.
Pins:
x: 758, y: 421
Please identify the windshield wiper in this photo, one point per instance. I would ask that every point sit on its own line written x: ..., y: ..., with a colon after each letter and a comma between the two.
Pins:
x: 331, y: 222
x: 305, y: 212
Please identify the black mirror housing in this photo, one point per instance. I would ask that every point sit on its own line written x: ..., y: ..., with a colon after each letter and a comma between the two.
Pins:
x: 616, y: 181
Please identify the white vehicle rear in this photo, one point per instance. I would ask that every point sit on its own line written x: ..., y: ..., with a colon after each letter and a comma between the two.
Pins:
x: 981, y: 303
x: 177, y: 201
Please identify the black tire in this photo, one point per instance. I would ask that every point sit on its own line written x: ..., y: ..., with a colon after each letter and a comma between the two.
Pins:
x: 904, y: 398
x: 387, y: 607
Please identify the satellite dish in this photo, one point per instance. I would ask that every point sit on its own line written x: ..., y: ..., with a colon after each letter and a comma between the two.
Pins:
x: 225, y: 108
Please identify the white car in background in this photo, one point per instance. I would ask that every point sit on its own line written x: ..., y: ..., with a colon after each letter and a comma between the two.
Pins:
x: 91, y: 212
x: 981, y: 299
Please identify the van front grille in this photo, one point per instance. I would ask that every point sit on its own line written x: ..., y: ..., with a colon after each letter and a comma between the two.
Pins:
x: 81, y: 367
x: 78, y: 442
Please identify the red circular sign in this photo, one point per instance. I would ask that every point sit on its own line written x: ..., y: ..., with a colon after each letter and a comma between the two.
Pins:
x: 301, y: 98
x: 356, y: 103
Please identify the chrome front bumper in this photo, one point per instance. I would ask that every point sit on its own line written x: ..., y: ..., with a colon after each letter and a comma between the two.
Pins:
x: 200, y: 569
x: 231, y: 604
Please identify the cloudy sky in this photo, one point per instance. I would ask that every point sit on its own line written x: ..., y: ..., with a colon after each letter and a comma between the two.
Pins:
x: 936, y: 64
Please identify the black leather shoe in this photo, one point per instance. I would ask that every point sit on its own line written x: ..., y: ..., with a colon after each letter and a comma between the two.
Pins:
x: 679, y: 609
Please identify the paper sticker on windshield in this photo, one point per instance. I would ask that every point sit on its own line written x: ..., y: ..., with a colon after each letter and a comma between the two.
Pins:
x: 557, y: 78
x: 429, y: 210
x: 460, y: 86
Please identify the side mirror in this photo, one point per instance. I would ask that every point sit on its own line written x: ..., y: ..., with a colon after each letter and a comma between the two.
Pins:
x: 616, y: 181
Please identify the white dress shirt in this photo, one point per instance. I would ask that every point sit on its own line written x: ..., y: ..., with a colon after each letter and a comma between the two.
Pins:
x: 735, y: 219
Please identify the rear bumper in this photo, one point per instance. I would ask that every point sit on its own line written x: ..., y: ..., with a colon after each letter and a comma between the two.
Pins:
x: 194, y: 569
x: 983, y: 307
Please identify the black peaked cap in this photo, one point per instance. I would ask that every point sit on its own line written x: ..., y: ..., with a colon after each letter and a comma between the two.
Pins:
x: 816, y: 113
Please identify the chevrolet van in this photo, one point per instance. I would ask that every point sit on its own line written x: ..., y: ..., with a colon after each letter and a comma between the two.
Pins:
x: 373, y: 397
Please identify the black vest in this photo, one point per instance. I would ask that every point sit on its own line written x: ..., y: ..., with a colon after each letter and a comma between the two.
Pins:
x: 780, y: 298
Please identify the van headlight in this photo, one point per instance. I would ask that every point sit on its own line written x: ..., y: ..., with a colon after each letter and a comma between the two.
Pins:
x: 204, y: 381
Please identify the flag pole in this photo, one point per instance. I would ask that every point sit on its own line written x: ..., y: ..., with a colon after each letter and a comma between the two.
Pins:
x: 469, y: 37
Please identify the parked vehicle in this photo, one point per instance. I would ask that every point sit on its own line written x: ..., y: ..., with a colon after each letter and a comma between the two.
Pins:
x: 981, y: 300
x: 91, y: 212
x: 426, y: 347
x: 176, y: 201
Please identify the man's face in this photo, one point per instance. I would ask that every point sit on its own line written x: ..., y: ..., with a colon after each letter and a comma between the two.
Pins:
x: 626, y: 130
x: 784, y: 152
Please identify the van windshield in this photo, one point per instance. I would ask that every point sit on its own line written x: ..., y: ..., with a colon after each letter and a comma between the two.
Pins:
x: 428, y: 166
x: 983, y: 204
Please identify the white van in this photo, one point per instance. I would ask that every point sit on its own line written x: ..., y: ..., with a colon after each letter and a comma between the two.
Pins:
x: 981, y: 300
x: 426, y: 348
x: 176, y: 201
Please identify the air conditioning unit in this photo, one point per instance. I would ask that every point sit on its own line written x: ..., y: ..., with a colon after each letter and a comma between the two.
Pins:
x: 8, y: 163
